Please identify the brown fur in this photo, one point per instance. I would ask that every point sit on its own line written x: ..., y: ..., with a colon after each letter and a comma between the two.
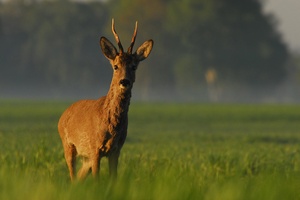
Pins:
x: 93, y: 129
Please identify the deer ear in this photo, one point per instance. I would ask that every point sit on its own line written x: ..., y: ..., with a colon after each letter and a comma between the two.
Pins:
x: 144, y: 50
x: 108, y: 49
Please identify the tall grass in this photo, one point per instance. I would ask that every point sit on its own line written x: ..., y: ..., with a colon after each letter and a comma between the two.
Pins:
x: 173, y: 151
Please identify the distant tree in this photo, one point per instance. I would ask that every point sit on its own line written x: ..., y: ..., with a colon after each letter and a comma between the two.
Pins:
x: 54, y: 43
x: 11, y: 38
x: 233, y: 37
x: 65, y: 40
x: 199, y: 45
x: 157, y: 73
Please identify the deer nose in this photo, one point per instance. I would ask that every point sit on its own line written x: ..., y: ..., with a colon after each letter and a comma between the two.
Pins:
x: 125, y: 82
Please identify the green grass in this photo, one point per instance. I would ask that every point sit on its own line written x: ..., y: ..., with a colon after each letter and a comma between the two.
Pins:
x: 173, y: 151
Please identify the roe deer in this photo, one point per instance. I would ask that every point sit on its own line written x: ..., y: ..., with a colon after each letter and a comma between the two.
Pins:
x: 94, y: 129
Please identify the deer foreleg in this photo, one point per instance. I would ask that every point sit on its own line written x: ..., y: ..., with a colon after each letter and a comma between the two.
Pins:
x: 113, y: 164
x: 96, y: 166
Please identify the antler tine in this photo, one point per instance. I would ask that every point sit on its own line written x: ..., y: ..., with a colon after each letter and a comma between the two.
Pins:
x: 133, y: 38
x: 116, y: 36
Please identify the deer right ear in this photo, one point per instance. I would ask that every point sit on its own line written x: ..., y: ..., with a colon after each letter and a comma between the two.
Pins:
x: 108, y: 49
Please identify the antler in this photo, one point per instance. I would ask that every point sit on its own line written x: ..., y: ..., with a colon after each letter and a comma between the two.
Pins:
x: 133, y: 38
x: 116, y: 36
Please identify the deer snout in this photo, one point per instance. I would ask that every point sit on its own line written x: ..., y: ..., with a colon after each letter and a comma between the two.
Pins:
x: 125, y: 83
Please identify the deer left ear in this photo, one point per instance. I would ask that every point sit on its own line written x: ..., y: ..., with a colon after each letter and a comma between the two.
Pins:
x: 108, y: 49
x: 144, y: 50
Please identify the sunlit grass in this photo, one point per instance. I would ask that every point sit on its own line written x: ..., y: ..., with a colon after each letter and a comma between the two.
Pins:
x: 173, y: 151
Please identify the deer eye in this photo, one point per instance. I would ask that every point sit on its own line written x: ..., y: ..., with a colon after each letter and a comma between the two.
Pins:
x: 116, y: 67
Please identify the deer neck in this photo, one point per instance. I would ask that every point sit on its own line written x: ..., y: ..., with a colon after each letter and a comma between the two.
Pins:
x: 116, y: 107
x: 117, y: 100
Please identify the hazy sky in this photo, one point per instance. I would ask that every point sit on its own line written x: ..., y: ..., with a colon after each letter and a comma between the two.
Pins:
x: 287, y: 12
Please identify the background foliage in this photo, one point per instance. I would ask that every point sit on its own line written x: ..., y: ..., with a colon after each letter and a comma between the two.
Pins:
x: 52, y: 47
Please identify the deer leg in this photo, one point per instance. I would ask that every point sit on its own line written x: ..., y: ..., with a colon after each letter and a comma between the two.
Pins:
x: 84, y: 170
x: 113, y: 164
x: 96, y: 166
x: 70, y: 156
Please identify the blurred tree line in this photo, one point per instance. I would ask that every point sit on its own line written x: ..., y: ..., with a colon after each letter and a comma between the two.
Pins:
x: 202, y: 49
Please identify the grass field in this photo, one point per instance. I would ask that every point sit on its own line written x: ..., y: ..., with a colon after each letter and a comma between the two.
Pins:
x: 173, y: 151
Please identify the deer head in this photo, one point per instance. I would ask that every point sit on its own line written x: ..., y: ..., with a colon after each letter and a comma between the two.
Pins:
x: 124, y: 64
